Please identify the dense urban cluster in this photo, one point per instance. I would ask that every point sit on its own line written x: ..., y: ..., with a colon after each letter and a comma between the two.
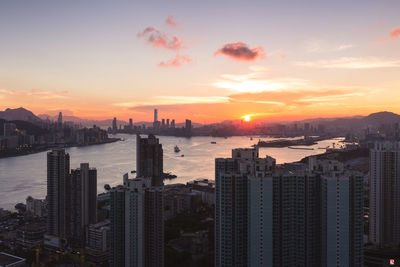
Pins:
x: 339, y: 208
x: 24, y: 137
x: 163, y: 127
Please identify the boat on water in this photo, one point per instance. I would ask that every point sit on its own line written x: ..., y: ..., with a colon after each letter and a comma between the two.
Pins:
x: 213, y: 142
x: 251, y: 138
x: 182, y: 155
x: 176, y: 149
x: 169, y: 176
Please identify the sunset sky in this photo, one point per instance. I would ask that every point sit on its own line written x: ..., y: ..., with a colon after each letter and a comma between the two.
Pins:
x: 204, y: 60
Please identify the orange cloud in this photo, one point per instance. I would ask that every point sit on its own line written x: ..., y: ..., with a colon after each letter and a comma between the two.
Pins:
x: 160, y: 39
x: 282, y: 105
x: 395, y: 33
x: 177, y: 61
x: 241, y: 51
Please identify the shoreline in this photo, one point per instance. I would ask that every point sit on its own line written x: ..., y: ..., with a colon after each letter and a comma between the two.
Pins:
x: 48, y: 147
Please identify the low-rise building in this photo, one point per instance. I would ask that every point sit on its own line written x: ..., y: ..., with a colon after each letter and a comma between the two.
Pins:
x: 36, y: 207
x: 98, y: 242
x: 31, y: 235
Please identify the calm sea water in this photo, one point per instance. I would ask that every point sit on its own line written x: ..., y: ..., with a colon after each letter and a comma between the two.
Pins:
x: 26, y: 175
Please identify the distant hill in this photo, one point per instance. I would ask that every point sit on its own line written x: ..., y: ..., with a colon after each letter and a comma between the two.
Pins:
x: 355, y: 123
x: 20, y: 114
x: 384, y: 117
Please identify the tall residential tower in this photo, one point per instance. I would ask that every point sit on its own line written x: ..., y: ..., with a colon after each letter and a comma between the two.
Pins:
x: 57, y: 177
x: 82, y: 198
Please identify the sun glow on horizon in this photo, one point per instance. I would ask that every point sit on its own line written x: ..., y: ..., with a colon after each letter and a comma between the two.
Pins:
x: 246, y: 118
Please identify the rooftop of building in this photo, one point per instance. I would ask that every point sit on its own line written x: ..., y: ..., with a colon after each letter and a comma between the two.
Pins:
x: 101, y: 224
x: 8, y: 259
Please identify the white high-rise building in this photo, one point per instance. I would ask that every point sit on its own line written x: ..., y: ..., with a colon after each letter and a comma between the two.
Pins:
x: 288, y: 215
x: 260, y: 220
x: 344, y: 212
x: 231, y: 203
x: 127, y: 222
x: 384, y: 195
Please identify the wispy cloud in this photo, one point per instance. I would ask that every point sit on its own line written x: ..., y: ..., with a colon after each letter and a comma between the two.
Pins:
x: 241, y: 51
x: 41, y: 94
x: 279, y: 53
x: 352, y: 63
x: 259, y: 68
x: 344, y: 47
x: 304, y: 97
x: 160, y: 39
x: 177, y: 61
x: 333, y: 97
x: 319, y: 46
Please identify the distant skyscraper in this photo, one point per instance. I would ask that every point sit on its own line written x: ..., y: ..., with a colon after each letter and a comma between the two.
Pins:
x: 384, y: 194
x: 130, y: 123
x: 167, y: 123
x: 114, y: 124
x: 162, y: 123
x: 60, y: 120
x: 82, y: 208
x: 156, y: 123
x: 57, y: 176
x: 188, y: 128
x: 173, y: 123
x: 149, y: 159
x: 155, y: 115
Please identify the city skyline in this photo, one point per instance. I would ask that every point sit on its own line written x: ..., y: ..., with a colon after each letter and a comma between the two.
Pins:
x: 273, y: 61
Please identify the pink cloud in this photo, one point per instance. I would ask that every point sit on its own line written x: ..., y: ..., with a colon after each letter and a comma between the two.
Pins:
x: 177, y: 61
x: 395, y: 33
x: 160, y: 39
x: 170, y: 21
x: 241, y: 51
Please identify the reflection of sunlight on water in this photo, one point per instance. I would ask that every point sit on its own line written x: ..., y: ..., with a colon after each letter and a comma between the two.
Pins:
x: 26, y: 175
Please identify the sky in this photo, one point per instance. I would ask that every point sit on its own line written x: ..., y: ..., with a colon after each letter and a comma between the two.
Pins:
x: 207, y: 61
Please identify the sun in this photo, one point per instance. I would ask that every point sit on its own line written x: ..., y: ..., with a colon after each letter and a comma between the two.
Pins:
x: 246, y: 118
